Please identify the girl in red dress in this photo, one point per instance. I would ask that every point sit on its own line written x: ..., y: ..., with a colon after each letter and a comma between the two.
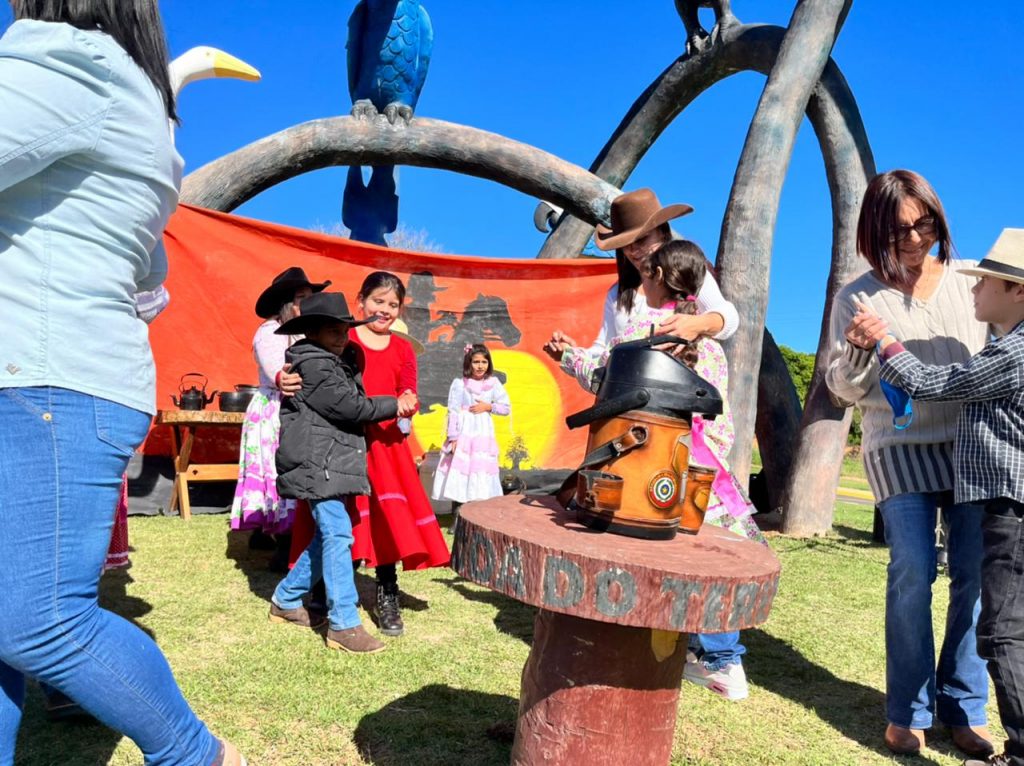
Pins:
x: 396, y: 522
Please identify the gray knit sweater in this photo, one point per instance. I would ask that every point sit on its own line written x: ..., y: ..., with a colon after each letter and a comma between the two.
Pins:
x: 941, y: 330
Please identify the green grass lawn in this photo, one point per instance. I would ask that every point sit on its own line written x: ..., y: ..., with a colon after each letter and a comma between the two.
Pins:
x: 816, y: 669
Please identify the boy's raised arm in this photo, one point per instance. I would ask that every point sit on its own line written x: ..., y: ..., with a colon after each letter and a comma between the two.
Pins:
x: 994, y: 372
x: 336, y: 397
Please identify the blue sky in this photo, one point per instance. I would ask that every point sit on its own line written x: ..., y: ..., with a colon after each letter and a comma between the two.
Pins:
x: 940, y: 87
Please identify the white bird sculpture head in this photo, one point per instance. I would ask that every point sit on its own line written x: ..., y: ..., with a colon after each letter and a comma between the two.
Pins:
x: 205, y: 62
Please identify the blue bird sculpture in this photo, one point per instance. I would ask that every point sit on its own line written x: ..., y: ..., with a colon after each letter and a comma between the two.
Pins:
x: 389, y: 46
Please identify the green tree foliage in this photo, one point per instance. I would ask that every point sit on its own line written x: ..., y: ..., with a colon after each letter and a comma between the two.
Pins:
x: 801, y: 368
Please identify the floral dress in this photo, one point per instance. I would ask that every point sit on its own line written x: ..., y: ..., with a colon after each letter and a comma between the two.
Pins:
x: 728, y: 506
x: 470, y: 470
x: 256, y: 504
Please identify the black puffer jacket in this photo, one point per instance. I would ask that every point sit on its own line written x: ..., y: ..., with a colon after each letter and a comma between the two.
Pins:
x: 322, y: 452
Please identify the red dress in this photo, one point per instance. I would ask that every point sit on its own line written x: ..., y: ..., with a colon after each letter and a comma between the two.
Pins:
x: 396, y: 522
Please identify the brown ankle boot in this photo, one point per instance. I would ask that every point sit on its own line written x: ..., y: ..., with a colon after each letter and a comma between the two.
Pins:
x: 974, y: 741
x: 355, y: 640
x: 299, y: 616
x: 903, y: 741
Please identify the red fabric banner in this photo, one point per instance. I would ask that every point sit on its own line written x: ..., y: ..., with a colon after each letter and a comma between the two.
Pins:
x: 220, y: 263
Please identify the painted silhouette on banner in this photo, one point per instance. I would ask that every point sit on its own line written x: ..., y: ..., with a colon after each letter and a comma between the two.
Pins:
x: 485, y: 319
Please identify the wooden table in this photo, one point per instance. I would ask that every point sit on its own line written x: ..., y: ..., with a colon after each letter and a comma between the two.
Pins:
x: 601, y: 684
x: 184, y: 424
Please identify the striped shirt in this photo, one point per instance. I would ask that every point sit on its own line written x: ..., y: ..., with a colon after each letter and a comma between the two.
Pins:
x: 989, y: 445
x: 938, y: 330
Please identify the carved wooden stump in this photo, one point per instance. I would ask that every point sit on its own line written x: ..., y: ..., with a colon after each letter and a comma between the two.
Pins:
x: 601, y: 684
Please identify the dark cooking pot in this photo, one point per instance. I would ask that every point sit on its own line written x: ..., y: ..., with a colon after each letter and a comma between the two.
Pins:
x: 234, y: 401
x: 247, y: 388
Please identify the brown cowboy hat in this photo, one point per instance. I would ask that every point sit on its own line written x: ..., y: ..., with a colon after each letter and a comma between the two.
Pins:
x: 634, y: 214
x: 282, y: 290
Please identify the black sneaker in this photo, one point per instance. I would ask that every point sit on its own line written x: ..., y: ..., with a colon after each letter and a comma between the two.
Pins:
x: 388, y: 611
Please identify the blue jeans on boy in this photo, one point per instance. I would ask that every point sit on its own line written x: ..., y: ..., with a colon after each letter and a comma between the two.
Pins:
x: 916, y: 690
x: 717, y: 650
x: 329, y: 555
x: 62, y: 455
x: 1001, y: 625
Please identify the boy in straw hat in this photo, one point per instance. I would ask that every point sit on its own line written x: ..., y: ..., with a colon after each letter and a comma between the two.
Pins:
x: 989, y: 461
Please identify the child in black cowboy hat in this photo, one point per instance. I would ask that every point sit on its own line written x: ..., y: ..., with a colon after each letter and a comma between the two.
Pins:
x: 322, y: 458
x: 256, y: 505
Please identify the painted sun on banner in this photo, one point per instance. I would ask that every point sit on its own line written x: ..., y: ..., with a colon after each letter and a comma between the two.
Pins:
x: 220, y: 263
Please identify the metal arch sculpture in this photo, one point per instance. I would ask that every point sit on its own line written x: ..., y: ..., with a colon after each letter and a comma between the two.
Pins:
x: 806, y: 462
x: 227, y: 182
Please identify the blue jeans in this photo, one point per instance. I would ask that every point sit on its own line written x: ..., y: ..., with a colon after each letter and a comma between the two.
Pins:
x: 329, y: 555
x: 916, y: 690
x: 62, y: 455
x: 717, y: 650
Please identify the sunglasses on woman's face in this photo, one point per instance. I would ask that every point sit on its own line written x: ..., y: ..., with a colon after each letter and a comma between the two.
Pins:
x: 924, y: 226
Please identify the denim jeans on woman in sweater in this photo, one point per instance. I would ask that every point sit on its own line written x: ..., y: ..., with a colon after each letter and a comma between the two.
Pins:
x: 916, y: 690
x: 62, y: 455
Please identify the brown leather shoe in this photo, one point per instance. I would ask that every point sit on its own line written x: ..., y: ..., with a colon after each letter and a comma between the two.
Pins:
x: 355, y: 640
x: 299, y: 616
x: 903, y: 741
x: 974, y: 741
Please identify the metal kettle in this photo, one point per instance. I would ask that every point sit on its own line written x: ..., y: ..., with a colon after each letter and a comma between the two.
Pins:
x: 193, y: 397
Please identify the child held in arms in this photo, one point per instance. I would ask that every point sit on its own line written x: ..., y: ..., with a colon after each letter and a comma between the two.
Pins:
x: 322, y: 458
x: 988, y: 454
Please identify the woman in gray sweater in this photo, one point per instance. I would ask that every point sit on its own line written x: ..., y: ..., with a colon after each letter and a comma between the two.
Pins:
x: 908, y: 458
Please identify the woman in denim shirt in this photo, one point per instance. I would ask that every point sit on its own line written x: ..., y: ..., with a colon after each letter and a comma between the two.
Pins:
x: 88, y: 179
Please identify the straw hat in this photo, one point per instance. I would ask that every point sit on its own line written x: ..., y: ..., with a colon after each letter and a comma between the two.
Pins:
x: 401, y: 329
x: 634, y: 214
x: 1005, y: 260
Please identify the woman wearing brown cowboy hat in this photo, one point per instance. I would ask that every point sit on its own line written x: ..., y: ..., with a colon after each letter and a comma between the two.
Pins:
x: 257, y: 505
x: 639, y: 227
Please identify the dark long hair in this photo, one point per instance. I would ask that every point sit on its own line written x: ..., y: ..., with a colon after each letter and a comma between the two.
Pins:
x: 134, y: 24
x: 879, y: 221
x: 629, y: 277
x: 467, y: 360
x: 683, y: 268
x: 382, y: 280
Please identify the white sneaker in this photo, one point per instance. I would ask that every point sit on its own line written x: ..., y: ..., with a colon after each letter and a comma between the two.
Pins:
x: 729, y: 682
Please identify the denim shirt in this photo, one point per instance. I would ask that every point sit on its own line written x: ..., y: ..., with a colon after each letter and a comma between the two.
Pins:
x: 88, y: 178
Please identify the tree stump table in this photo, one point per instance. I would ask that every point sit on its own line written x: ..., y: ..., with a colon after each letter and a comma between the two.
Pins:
x: 601, y: 684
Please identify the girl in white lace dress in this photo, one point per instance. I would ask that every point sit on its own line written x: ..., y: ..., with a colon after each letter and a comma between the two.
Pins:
x: 468, y: 469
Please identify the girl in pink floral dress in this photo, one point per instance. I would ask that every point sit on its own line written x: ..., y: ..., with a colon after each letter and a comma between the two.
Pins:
x: 679, y: 267
x: 257, y: 505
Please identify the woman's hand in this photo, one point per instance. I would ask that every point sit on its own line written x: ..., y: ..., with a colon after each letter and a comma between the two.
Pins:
x: 479, y: 406
x: 558, y: 344
x: 866, y: 328
x: 288, y: 383
x: 691, y: 326
x: 407, y: 403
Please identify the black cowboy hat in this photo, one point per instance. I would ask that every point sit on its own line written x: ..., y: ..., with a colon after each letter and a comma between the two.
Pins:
x: 282, y: 290
x: 317, y: 308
